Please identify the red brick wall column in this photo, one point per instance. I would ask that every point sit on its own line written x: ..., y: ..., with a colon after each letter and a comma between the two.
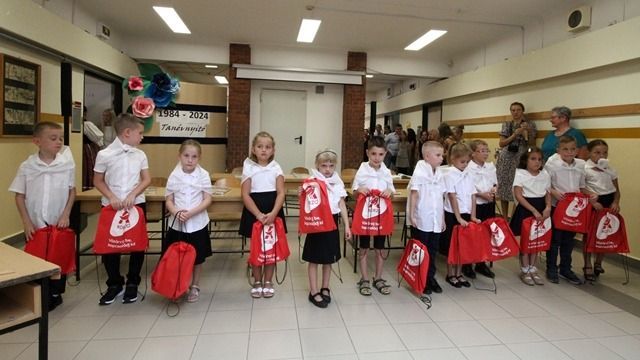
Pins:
x: 239, y: 106
x: 353, y: 113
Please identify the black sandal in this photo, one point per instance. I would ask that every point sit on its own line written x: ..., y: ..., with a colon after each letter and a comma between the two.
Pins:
x: 597, y: 269
x: 326, y: 297
x: 319, y: 303
x: 453, y: 281
x: 382, y: 286
x: 462, y: 281
x: 589, y: 275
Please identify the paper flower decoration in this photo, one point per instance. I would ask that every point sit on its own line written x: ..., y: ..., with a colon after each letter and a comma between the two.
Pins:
x: 152, y: 89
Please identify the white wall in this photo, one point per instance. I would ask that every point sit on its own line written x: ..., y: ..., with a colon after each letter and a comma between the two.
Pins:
x: 324, y: 115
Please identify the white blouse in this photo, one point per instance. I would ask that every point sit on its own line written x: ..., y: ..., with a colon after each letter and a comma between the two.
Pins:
x: 599, y: 177
x: 189, y: 190
x: 121, y: 165
x: 484, y: 177
x: 45, y: 186
x: 461, y: 183
x: 429, y: 211
x: 335, y: 189
x: 368, y: 177
x: 533, y: 186
x: 263, y: 178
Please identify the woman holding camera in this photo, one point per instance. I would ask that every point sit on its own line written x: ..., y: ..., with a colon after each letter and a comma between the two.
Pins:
x: 515, y: 137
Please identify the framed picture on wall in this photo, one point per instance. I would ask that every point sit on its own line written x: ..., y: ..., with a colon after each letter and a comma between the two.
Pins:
x: 20, y: 96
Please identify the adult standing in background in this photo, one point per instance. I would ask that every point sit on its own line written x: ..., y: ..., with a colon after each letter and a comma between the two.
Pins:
x: 424, y: 137
x: 365, y: 139
x: 108, y: 116
x: 560, y: 116
x: 392, y: 140
x: 413, y: 144
x: 379, y: 131
x: 447, y: 139
x: 515, y: 138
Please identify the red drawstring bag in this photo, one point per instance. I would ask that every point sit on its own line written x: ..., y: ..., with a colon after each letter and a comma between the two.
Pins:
x: 120, y: 231
x: 172, y: 276
x: 469, y: 244
x: 572, y: 213
x: 54, y: 245
x: 373, y: 215
x: 607, y: 233
x: 503, y: 243
x: 414, y: 265
x: 268, y: 243
x: 535, y: 235
x: 315, y: 211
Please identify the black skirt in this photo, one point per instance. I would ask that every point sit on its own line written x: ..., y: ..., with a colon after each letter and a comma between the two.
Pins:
x: 324, y: 247
x: 265, y: 202
x: 199, y: 239
x: 520, y: 213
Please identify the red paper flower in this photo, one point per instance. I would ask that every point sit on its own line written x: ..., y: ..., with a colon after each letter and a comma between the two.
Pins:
x: 142, y: 107
x: 136, y: 83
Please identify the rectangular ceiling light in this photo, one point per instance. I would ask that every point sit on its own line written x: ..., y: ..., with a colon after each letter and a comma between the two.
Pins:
x: 308, y: 30
x: 424, y: 40
x: 211, y: 66
x: 172, y: 19
x: 221, y: 80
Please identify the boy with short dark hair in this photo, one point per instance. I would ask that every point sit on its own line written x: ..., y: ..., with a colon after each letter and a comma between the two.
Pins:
x: 45, y: 189
x: 567, y: 175
x: 121, y: 176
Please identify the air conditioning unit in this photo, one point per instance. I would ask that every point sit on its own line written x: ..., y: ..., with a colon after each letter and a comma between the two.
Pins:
x: 579, y: 19
x: 103, y: 31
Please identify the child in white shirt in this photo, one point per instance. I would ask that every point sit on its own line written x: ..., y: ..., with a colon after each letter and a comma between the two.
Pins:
x: 459, y: 205
x: 425, y: 206
x: 373, y: 175
x: 602, y: 181
x: 567, y: 176
x: 45, y: 190
x: 188, y: 195
x: 486, y: 180
x: 262, y: 188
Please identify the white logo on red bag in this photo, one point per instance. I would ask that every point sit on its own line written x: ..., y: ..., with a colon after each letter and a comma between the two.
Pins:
x: 576, y: 206
x: 373, y: 206
x: 312, y: 196
x: 269, y: 237
x: 607, y: 226
x: 416, y: 256
x: 123, y: 221
x: 497, y: 235
x: 539, y: 228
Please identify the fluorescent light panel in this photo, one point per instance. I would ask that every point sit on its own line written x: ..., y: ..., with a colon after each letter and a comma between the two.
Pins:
x: 369, y: 76
x: 308, y: 30
x: 210, y: 66
x: 172, y: 19
x: 221, y: 79
x: 424, y: 40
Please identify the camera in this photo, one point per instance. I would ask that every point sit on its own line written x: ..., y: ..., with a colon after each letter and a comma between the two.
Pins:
x: 513, y: 148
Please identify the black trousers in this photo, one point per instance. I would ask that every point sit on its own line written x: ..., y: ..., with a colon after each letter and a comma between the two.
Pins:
x: 112, y: 265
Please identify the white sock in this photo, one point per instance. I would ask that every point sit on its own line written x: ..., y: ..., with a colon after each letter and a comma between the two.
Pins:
x: 525, y: 269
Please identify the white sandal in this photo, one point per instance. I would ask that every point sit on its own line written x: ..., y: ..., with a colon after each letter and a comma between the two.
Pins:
x: 194, y: 294
x: 268, y: 291
x: 256, y: 290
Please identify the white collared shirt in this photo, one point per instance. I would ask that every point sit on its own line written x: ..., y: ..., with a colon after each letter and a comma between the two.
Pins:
x: 533, y: 186
x: 566, y: 178
x: 335, y: 189
x: 189, y: 190
x: 45, y: 186
x: 121, y: 165
x: 263, y: 178
x: 485, y: 178
x: 429, y: 211
x: 461, y: 183
x: 368, y: 177
x: 599, y: 180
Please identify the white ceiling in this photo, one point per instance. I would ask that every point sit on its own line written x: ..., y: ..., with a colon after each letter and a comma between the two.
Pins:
x: 381, y: 27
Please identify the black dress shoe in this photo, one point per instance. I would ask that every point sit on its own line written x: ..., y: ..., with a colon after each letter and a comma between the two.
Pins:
x: 434, y: 286
x: 467, y: 271
x: 326, y: 295
x: 321, y: 304
x: 483, y: 269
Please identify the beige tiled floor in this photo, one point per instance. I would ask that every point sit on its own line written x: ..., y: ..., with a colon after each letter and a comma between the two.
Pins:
x: 519, y: 322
